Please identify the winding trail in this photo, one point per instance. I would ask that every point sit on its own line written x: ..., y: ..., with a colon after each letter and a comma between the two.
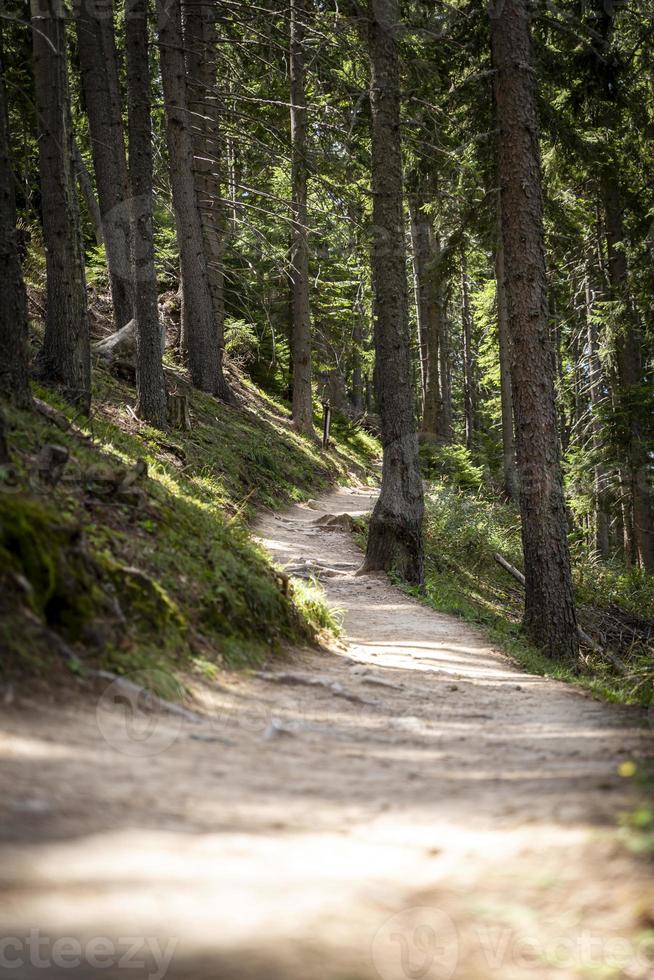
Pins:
x: 424, y: 811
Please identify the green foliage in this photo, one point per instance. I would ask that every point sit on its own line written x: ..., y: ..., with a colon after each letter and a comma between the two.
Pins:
x: 638, y: 830
x: 610, y: 583
x: 96, y: 267
x: 638, y: 825
x: 451, y: 465
x: 242, y: 343
x: 166, y: 255
x: 310, y: 599
x: 34, y: 264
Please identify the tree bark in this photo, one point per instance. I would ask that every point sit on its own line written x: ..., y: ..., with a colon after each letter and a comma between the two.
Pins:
x: 602, y: 512
x: 420, y: 254
x: 357, y: 342
x: 508, y: 439
x: 431, y: 316
x: 200, y: 54
x: 301, y: 323
x: 549, y: 604
x: 469, y: 393
x: 14, y: 360
x: 395, y: 534
x: 445, y: 372
x: 198, y: 326
x: 88, y: 193
x: 433, y: 426
x: 151, y: 404
x: 96, y: 43
x: 65, y: 357
x: 630, y: 378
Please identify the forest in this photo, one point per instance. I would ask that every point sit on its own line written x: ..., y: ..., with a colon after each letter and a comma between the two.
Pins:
x: 326, y: 356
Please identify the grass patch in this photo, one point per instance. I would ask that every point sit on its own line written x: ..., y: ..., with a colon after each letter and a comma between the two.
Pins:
x: 462, y: 534
x: 637, y: 826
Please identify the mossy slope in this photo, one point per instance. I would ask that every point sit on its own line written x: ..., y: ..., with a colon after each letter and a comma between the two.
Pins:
x: 163, y: 572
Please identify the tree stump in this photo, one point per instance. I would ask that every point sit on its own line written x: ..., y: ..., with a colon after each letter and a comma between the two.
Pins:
x: 178, y: 412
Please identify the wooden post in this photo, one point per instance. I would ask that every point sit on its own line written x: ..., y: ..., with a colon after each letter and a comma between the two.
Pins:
x: 326, y: 423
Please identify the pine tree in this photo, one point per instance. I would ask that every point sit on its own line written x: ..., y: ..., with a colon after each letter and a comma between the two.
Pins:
x: 150, y: 382
x: 395, y: 534
x: 549, y: 604
x: 199, y: 331
x: 300, y: 312
x: 96, y: 43
x: 14, y: 375
x: 65, y: 357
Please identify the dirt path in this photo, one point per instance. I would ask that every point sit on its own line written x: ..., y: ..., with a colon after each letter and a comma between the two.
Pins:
x: 425, y: 812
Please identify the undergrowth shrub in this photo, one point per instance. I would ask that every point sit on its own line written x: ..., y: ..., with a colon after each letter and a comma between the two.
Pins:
x: 452, y: 465
x: 241, y: 342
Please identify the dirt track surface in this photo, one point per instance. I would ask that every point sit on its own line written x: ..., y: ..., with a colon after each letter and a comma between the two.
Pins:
x: 425, y: 811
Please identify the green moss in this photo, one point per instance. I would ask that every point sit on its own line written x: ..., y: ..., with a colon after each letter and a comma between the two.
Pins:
x: 145, y: 601
x: 27, y: 546
x: 38, y: 548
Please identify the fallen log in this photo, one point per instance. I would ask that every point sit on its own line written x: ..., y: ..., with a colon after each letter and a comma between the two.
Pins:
x: 511, y: 569
x: 52, y: 415
x: 122, y: 343
x: 585, y: 638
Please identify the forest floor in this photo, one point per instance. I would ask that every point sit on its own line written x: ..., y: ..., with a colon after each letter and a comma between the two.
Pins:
x: 407, y: 804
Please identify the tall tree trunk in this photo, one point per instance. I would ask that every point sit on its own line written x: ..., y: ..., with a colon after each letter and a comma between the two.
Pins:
x: 201, y: 69
x: 630, y: 377
x: 549, y: 604
x: 395, y: 534
x: 436, y: 416
x: 433, y: 424
x: 602, y: 513
x: 150, y: 383
x: 420, y: 254
x: 96, y: 42
x: 445, y: 373
x: 65, y: 357
x: 506, y: 395
x: 564, y: 425
x: 357, y: 341
x: 88, y: 193
x: 301, y: 345
x: 627, y: 515
x: 14, y: 374
x: 198, y: 326
x: 469, y: 394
